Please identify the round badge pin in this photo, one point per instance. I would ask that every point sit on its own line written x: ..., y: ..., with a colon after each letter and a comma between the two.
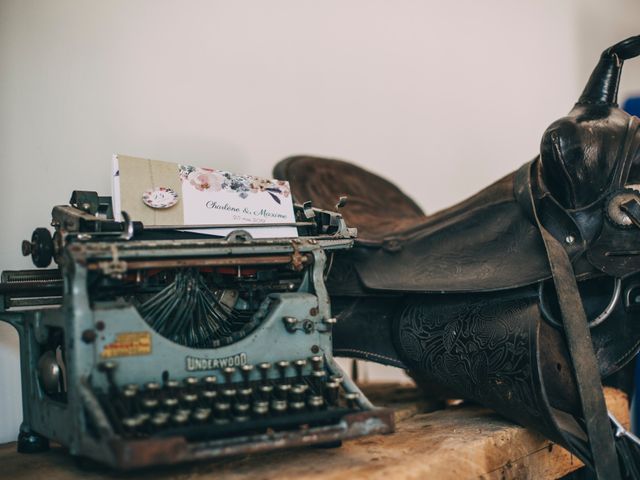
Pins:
x: 161, y: 197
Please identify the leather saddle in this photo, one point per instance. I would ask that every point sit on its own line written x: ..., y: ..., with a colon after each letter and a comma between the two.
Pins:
x: 516, y: 297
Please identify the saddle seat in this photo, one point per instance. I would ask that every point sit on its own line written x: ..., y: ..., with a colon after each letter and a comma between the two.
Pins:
x: 483, y: 243
x: 374, y: 205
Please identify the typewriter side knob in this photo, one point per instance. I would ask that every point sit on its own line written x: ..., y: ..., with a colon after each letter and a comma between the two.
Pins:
x: 49, y: 372
x: 40, y: 247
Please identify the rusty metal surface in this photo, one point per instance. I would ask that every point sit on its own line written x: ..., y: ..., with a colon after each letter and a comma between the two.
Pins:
x: 111, y: 354
x: 134, y: 454
x: 207, y: 262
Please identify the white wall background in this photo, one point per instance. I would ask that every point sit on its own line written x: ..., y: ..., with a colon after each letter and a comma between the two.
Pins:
x: 442, y: 97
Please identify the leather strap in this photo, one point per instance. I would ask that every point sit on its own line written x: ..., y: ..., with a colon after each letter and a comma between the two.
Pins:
x: 627, y: 149
x: 578, y: 338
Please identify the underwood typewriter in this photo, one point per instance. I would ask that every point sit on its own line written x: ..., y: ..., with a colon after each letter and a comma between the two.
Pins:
x: 150, y: 345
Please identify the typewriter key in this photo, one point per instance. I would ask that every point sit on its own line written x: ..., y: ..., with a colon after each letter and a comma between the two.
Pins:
x: 297, y: 392
x: 332, y: 391
x: 201, y: 415
x: 130, y: 424
x: 221, y: 411
x: 229, y: 394
x: 317, y: 380
x: 150, y: 404
x: 162, y: 414
x: 172, y: 385
x: 210, y: 382
x: 296, y: 406
x: 282, y: 390
x: 152, y: 387
x: 172, y: 388
x: 132, y: 387
x: 279, y: 406
x: 183, y: 411
x: 282, y: 368
x: 301, y: 387
x: 244, y: 394
x: 299, y: 365
x: 208, y: 396
x: 265, y: 391
x: 264, y: 368
x: 108, y: 368
x: 143, y: 420
x: 191, y: 383
x: 315, y: 402
x: 246, y: 373
x: 159, y: 421
x: 170, y: 403
x: 130, y: 397
x: 188, y: 400
x: 228, y: 373
x: 241, y: 407
x: 180, y: 419
x: 317, y: 363
x: 241, y: 411
x: 260, y: 409
x: 352, y: 399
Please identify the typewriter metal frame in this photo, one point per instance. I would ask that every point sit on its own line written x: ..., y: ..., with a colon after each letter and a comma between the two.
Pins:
x: 78, y: 420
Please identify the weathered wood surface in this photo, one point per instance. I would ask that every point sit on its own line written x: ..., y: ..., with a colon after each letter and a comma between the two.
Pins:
x: 456, y: 443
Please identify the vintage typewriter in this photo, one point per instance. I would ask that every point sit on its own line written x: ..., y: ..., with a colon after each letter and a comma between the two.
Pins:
x: 151, y: 345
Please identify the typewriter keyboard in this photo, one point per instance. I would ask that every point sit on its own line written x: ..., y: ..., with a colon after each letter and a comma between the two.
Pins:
x: 251, y: 398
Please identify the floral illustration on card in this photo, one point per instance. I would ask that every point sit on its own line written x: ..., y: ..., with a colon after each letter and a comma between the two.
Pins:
x: 204, y: 179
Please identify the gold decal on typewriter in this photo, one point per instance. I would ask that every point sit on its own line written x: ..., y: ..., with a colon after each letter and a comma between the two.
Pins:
x: 128, y: 344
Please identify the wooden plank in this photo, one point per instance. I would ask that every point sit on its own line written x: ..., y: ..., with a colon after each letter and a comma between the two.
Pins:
x: 456, y: 443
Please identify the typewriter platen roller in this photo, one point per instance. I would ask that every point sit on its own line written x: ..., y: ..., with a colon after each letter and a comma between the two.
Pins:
x: 151, y: 346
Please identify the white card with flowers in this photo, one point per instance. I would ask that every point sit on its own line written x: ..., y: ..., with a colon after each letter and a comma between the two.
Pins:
x: 218, y: 197
x: 164, y: 193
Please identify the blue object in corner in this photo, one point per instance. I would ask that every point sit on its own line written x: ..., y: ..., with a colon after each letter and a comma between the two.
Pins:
x: 632, y: 106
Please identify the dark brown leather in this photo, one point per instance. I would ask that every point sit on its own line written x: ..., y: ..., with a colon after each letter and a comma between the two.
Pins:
x: 481, y: 244
x: 459, y: 291
x: 369, y: 196
x: 579, y: 153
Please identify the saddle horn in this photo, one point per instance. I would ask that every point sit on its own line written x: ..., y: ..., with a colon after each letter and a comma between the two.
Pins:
x: 582, y: 154
x: 602, y: 87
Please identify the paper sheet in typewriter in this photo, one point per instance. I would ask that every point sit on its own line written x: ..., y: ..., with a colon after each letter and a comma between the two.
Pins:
x: 164, y: 193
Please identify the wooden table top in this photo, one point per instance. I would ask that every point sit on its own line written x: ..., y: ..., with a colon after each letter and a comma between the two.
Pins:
x: 455, y: 443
